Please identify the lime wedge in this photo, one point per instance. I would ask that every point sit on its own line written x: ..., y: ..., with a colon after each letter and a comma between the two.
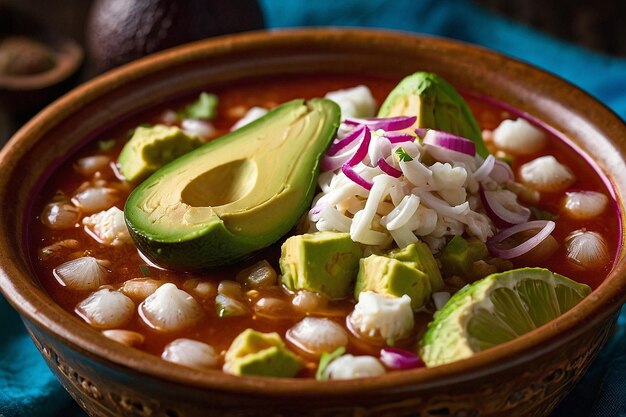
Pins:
x: 495, y: 310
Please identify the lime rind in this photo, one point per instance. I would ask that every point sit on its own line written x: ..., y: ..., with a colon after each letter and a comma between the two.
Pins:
x: 497, y: 309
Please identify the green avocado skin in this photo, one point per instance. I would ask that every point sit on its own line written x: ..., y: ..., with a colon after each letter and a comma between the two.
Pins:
x: 441, y: 107
x: 216, y: 247
x: 213, y: 244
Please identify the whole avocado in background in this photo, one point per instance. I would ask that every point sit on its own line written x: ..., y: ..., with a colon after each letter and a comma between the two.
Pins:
x: 119, y: 31
x: 229, y: 198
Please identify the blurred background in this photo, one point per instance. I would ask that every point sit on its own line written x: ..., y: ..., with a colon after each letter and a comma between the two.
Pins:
x: 47, y: 47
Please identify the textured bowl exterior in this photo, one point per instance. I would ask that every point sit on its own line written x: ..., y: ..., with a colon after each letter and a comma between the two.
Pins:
x: 532, y: 388
x: 525, y: 377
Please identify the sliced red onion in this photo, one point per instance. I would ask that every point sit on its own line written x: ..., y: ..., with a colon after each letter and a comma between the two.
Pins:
x: 395, y: 358
x: 501, y: 172
x: 447, y: 155
x: 350, y: 137
x: 501, y: 215
x: 331, y: 163
x: 388, y: 169
x: 421, y: 132
x: 387, y: 123
x: 349, y: 172
x: 547, y: 226
x: 485, y: 169
x: 396, y: 137
x: 449, y: 141
x: 361, y: 153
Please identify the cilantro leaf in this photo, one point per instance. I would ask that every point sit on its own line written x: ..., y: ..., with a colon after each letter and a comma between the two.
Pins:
x: 203, y: 108
x: 402, y: 155
x: 325, y: 360
x: 105, y: 145
x: 542, y: 214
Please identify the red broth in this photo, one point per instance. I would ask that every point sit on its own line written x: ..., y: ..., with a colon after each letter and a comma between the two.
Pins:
x: 234, y: 100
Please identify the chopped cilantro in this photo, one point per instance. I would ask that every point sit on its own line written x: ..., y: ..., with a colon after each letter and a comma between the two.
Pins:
x: 402, y: 155
x: 325, y: 360
x: 542, y: 214
x: 106, y: 145
x: 203, y: 108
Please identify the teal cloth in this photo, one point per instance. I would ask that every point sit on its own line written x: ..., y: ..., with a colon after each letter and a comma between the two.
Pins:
x: 27, y: 388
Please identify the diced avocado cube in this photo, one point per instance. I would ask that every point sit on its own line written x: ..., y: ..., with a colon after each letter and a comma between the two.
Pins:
x: 264, y: 354
x: 152, y: 147
x: 459, y: 255
x: 323, y: 262
x: 388, y: 276
x: 421, y: 254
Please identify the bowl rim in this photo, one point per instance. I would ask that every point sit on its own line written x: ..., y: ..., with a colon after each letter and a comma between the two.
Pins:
x: 33, y: 304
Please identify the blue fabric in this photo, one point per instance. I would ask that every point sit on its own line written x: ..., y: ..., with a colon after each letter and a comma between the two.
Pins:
x: 27, y: 388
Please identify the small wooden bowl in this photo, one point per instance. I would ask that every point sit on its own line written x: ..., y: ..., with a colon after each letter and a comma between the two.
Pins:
x: 30, y: 92
x: 527, y: 376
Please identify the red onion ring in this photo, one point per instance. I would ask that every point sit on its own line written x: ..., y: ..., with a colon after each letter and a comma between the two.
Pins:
x: 502, y: 216
x: 485, y: 169
x: 547, y: 226
x: 349, y: 172
x: 396, y: 137
x: 448, y: 155
x: 449, y: 141
x: 387, y: 123
x: 388, y: 169
x: 501, y: 172
x: 395, y: 358
x: 421, y: 132
x: 350, y: 137
x: 331, y: 163
x: 359, y: 155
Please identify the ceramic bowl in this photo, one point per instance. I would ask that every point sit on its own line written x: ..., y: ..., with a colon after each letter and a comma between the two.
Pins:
x: 527, y: 376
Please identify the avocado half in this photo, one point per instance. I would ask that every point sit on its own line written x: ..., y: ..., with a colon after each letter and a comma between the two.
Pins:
x: 436, y: 104
x: 235, y: 195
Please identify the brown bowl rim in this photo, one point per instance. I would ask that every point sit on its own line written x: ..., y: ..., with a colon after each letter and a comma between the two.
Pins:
x: 34, y: 304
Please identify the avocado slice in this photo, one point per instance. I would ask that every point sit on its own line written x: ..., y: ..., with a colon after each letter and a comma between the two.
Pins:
x: 436, y: 104
x: 392, y: 277
x: 323, y: 262
x: 149, y: 148
x: 256, y: 353
x: 235, y: 195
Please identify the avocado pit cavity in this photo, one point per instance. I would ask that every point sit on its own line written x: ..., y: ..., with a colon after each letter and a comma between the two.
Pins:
x: 223, y: 201
x: 228, y: 183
